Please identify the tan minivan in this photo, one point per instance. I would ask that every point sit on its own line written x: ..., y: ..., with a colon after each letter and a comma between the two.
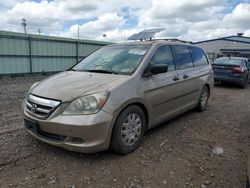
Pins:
x: 109, y: 99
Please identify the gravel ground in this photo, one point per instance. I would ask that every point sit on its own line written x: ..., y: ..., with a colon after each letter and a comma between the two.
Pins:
x: 206, y: 149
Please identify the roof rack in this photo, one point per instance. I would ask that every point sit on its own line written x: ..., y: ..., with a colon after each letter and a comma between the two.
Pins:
x: 177, y: 40
x: 146, y: 34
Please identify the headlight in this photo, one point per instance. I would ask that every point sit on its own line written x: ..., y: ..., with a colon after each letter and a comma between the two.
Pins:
x: 89, y: 104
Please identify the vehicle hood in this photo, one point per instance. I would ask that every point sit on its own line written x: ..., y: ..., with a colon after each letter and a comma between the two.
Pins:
x: 67, y: 86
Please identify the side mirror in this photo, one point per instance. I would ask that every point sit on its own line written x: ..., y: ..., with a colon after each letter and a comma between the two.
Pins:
x: 159, y: 68
x: 156, y: 69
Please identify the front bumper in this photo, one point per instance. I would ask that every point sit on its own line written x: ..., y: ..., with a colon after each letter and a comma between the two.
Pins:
x: 80, y: 133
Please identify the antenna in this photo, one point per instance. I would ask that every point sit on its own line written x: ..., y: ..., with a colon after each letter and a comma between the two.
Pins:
x: 24, y: 25
x: 146, y: 34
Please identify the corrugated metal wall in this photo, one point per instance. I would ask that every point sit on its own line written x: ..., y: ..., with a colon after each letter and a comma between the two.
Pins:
x: 20, y: 53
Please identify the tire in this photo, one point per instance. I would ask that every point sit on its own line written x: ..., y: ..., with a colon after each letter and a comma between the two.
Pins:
x: 244, y: 85
x: 248, y: 183
x: 128, y: 130
x: 203, y: 100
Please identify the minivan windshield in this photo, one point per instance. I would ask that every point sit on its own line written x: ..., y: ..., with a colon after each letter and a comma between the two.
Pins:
x: 119, y: 59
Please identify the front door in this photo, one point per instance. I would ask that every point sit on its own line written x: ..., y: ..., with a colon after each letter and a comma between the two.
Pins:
x: 160, y: 90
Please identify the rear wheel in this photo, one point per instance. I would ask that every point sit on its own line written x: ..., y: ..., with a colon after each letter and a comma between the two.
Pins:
x: 248, y: 183
x: 128, y: 130
x: 244, y: 85
x: 202, y: 104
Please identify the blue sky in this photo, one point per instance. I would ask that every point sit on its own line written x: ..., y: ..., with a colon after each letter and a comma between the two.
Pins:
x: 187, y: 20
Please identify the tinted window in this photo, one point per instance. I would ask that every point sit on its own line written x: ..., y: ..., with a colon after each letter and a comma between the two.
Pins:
x: 182, y: 57
x: 163, y: 55
x: 198, y: 56
x: 228, y: 61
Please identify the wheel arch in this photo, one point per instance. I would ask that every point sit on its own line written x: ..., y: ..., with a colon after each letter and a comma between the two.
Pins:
x: 112, y: 144
x: 208, y: 86
x: 137, y: 103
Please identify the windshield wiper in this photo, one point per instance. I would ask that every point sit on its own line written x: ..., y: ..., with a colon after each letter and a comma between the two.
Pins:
x: 101, y: 71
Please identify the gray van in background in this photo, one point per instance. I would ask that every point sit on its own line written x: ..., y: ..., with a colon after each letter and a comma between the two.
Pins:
x: 109, y: 99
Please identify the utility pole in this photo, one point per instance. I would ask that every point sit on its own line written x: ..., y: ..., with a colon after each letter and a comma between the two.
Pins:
x: 78, y: 32
x: 24, y: 25
x: 39, y: 31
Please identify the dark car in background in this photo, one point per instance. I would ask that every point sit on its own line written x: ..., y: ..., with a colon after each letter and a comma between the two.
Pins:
x: 232, y: 70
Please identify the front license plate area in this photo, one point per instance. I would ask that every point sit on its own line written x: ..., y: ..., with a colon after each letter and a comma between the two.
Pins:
x: 31, y: 125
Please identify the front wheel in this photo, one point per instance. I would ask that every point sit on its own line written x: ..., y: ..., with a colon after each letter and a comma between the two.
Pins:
x: 128, y: 130
x: 203, y: 101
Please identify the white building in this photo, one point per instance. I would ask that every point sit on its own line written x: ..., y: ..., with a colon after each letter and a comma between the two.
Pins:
x: 237, y: 45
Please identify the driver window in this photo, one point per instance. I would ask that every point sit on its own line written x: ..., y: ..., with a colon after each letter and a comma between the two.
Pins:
x: 163, y: 55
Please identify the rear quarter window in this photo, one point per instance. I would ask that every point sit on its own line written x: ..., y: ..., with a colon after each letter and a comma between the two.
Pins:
x: 182, y: 57
x: 199, y: 56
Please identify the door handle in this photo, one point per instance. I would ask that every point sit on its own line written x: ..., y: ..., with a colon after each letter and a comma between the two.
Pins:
x: 185, y: 76
x: 176, y: 78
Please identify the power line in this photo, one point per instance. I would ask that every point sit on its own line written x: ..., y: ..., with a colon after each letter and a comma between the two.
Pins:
x: 31, y: 28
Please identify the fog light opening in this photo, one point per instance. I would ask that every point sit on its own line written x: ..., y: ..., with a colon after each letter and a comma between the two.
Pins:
x: 74, y: 140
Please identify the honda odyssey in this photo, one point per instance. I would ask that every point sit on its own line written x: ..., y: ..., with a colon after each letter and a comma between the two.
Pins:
x: 110, y: 98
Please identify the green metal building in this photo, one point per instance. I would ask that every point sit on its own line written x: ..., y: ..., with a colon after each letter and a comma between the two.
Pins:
x: 28, y: 53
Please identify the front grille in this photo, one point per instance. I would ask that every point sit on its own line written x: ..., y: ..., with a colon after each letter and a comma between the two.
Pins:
x: 41, y: 107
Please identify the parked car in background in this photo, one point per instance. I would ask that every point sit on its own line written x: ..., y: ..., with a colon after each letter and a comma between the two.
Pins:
x: 245, y: 55
x: 109, y: 99
x: 232, y: 70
